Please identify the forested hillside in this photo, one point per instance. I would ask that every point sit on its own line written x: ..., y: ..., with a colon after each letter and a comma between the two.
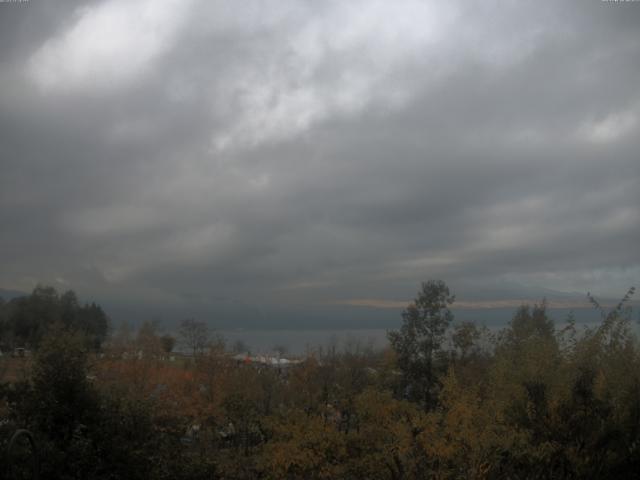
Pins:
x: 539, y: 399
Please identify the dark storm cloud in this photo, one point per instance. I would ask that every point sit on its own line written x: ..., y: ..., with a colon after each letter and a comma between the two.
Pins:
x: 186, y: 151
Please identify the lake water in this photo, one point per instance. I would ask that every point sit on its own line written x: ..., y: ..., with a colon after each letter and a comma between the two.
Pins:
x: 298, y: 342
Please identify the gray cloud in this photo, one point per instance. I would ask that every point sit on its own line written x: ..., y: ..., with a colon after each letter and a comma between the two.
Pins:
x: 179, y: 152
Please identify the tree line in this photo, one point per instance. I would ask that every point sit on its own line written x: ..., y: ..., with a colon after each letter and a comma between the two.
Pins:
x: 446, y: 400
x: 24, y: 321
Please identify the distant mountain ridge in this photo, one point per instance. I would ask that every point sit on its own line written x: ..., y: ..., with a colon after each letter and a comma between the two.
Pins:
x: 9, y: 294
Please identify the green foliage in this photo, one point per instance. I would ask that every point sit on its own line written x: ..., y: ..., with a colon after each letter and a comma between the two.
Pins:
x: 527, y: 324
x: 466, y: 339
x: 24, y: 321
x: 63, y: 397
x: 59, y: 403
x: 420, y: 338
x: 532, y: 402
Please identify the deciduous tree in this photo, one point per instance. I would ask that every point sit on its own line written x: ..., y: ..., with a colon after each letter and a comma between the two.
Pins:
x: 419, y: 340
x: 194, y: 335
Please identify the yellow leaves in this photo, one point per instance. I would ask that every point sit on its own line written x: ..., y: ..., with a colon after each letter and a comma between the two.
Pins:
x: 303, y: 447
x: 464, y: 435
x: 386, y: 422
x: 501, y: 415
x: 315, y: 446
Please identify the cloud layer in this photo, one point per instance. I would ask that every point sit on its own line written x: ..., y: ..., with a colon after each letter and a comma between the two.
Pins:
x: 302, y: 153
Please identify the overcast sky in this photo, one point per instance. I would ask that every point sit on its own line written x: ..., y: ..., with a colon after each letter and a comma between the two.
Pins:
x: 309, y: 153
